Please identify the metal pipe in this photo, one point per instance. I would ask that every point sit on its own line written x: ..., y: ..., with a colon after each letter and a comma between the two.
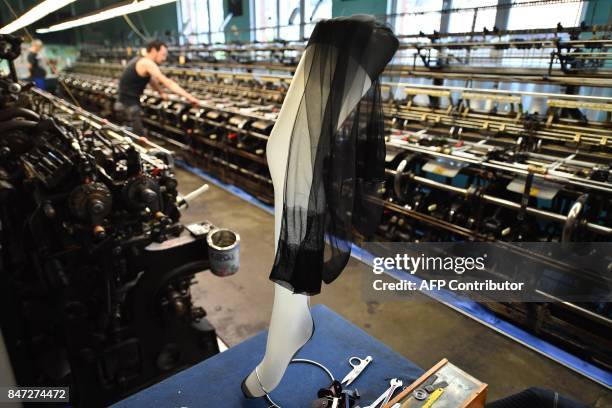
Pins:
x: 533, y: 75
x: 16, y: 124
x: 549, y: 174
x: 19, y: 112
x: 523, y: 170
x: 600, y: 229
x: 396, y: 84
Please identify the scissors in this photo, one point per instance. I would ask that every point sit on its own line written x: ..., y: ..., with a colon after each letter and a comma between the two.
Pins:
x: 358, y: 365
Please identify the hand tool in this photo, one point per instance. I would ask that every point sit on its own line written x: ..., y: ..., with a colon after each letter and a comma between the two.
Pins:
x: 380, y: 399
x: 395, y: 384
x: 433, y: 398
x: 420, y: 394
x: 358, y: 365
x: 433, y: 387
x: 423, y: 391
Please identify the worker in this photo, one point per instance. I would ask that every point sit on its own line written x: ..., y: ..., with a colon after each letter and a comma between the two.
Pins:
x: 139, y: 72
x: 35, y: 66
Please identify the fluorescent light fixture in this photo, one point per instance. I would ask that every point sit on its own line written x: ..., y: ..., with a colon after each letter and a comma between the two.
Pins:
x: 34, y: 14
x: 106, y: 14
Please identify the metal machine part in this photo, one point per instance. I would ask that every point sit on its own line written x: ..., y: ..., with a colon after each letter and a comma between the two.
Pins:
x: 91, y: 202
x: 97, y: 268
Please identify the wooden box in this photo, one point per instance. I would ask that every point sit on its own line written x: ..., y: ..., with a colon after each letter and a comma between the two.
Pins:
x: 462, y: 391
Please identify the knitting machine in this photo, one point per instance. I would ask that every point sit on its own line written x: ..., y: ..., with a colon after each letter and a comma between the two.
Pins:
x: 96, y: 266
x: 225, y: 136
x: 463, y: 163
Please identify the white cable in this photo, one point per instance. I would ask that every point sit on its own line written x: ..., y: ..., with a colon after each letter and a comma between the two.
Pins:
x: 295, y: 360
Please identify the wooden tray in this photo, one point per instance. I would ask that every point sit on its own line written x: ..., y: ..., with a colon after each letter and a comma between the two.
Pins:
x: 462, y: 391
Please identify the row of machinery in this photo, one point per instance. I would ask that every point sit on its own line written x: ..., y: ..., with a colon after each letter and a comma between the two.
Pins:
x: 466, y: 161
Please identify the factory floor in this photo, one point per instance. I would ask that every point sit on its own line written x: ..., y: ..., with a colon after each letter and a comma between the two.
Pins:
x: 422, y: 330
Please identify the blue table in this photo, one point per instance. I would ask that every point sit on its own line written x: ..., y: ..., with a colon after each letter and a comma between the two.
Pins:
x: 216, y: 381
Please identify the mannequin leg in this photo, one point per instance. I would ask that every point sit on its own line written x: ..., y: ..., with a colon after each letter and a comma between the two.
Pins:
x: 291, y: 326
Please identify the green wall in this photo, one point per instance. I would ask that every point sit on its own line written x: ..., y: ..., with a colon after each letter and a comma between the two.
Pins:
x: 598, y: 12
x: 238, y: 27
x: 349, y: 7
x: 153, y: 23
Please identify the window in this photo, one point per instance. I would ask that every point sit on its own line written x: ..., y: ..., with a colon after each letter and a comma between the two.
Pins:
x: 417, y: 15
x: 216, y: 20
x: 266, y: 20
x: 315, y: 10
x: 548, y: 15
x: 195, y: 24
x: 462, y: 21
x: 289, y: 19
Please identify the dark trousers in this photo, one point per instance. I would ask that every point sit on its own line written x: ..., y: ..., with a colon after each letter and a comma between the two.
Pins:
x: 130, y: 115
x: 40, y: 83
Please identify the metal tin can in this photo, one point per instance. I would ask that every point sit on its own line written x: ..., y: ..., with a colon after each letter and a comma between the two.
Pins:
x: 223, y: 251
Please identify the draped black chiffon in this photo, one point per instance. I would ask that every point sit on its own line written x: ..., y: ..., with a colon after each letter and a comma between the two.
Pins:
x: 336, y: 167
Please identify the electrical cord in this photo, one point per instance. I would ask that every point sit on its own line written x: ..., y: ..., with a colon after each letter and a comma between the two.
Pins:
x: 134, y: 28
x: 143, y: 25
x: 295, y: 360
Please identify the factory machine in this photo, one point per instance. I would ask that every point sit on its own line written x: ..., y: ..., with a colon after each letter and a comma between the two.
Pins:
x: 96, y: 265
x: 226, y: 136
x: 466, y: 161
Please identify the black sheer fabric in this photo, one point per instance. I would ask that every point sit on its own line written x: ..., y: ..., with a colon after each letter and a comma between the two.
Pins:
x: 336, y: 155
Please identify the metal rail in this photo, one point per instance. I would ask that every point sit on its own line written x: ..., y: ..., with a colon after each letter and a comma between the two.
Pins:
x: 466, y: 192
x: 541, y: 171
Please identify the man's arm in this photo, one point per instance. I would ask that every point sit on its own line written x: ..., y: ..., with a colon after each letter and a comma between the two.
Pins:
x: 31, y: 62
x: 157, y: 86
x: 155, y: 73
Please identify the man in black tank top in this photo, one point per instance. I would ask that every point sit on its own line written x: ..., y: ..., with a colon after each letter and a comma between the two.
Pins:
x: 137, y: 74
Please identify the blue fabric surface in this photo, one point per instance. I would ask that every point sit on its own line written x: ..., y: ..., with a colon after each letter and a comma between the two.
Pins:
x: 216, y: 382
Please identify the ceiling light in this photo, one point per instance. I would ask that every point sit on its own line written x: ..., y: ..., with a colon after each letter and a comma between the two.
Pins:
x: 105, y: 15
x: 34, y: 14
